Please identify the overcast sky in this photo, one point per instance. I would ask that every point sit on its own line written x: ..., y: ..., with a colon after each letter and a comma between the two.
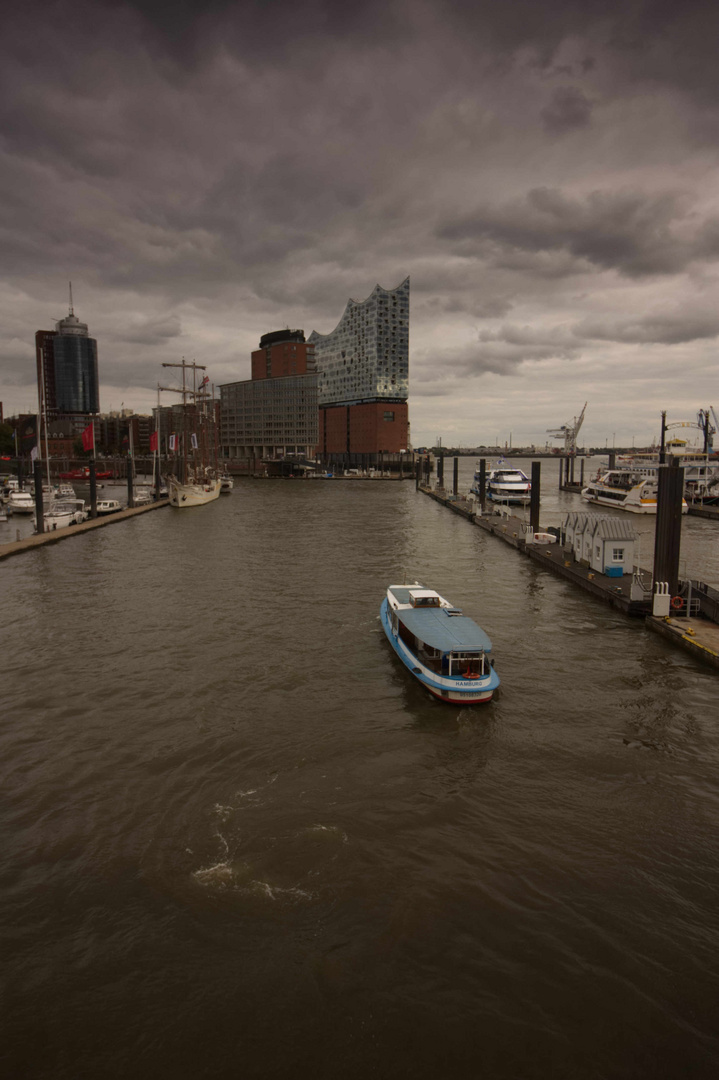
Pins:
x: 207, y: 172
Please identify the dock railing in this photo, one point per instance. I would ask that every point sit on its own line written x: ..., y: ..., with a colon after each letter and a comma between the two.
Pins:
x: 701, y: 598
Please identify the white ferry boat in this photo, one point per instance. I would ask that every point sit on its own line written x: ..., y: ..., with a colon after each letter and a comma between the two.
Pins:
x: 503, y: 485
x: 446, y: 651
x: 626, y: 489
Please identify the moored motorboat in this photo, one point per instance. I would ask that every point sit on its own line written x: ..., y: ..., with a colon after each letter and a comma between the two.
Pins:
x: 445, y: 650
x: 108, y: 506
x: 63, y: 514
x: 226, y: 484
x: 21, y: 502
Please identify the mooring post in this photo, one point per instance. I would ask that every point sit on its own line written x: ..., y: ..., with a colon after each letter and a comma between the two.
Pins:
x: 482, y: 482
x: 668, y: 529
x: 581, y: 473
x: 534, y: 496
x: 456, y: 476
x: 561, y: 471
x: 157, y: 477
x: 417, y: 469
x: 572, y: 469
x: 440, y: 470
x: 663, y: 438
x: 130, y: 494
x: 93, y: 489
x: 39, y: 512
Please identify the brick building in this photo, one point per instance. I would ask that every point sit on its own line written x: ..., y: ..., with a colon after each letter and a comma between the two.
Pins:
x: 273, y: 414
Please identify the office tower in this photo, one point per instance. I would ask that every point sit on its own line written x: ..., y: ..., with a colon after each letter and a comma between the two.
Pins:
x: 273, y: 414
x: 67, y: 373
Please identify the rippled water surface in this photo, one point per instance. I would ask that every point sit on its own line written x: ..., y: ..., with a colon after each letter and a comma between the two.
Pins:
x: 238, y: 840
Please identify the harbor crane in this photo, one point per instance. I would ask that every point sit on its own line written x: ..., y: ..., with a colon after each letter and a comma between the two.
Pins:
x: 569, y: 433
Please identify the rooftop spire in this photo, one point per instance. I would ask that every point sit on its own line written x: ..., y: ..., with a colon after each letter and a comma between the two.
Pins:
x: 71, y: 311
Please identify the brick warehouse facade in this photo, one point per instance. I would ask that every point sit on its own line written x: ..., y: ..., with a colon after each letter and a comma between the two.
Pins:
x: 371, y: 428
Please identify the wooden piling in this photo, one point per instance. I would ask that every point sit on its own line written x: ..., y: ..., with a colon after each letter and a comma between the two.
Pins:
x: 39, y: 510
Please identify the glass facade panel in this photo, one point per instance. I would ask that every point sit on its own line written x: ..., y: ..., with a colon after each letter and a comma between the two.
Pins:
x: 76, y: 378
x: 366, y: 356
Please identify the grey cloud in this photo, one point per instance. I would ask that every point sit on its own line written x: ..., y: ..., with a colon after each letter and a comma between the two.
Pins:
x: 567, y: 109
x: 152, y: 331
x: 656, y: 329
x: 633, y: 233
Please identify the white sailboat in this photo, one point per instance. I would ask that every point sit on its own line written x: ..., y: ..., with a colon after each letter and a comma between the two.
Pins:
x: 194, y: 480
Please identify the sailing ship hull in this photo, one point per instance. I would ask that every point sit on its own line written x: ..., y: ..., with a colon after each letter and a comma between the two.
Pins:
x: 182, y: 495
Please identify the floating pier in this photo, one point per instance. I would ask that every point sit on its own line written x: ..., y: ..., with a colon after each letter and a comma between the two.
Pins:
x: 696, y: 635
x: 17, y: 547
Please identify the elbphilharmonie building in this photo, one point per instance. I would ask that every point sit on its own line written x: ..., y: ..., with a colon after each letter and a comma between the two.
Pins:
x: 363, y: 377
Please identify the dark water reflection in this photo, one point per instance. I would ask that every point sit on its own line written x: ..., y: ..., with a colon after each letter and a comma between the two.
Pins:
x: 238, y: 841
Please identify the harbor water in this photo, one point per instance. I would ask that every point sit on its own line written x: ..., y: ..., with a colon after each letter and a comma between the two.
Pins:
x: 239, y: 840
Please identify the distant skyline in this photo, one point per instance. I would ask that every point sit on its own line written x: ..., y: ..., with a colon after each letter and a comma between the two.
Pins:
x: 205, y: 173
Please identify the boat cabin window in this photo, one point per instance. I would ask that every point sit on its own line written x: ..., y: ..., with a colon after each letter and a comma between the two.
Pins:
x: 424, y: 599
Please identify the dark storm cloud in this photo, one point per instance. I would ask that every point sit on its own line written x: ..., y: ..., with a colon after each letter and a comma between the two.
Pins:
x: 634, y: 233
x: 205, y: 171
x: 568, y: 109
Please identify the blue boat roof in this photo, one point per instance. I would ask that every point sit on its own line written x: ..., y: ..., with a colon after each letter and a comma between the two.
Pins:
x: 448, y: 633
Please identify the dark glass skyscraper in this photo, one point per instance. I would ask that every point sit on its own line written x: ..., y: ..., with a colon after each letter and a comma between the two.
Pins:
x: 67, y: 373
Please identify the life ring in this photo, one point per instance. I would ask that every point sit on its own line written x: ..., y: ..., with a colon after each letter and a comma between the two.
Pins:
x: 468, y: 675
x: 677, y: 602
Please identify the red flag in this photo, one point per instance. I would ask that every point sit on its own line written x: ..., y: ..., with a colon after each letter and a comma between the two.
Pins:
x: 205, y: 381
x: 153, y: 443
x: 88, y: 437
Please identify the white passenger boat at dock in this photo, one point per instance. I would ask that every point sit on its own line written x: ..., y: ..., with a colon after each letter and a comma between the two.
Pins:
x: 505, y: 485
x: 626, y: 489
x: 445, y: 650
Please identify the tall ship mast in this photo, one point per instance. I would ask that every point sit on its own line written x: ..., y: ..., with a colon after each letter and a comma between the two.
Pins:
x: 192, y: 479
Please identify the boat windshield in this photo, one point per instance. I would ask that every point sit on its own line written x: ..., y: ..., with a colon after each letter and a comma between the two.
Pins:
x: 511, y: 478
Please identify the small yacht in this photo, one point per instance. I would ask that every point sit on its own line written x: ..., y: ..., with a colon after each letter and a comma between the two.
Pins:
x: 21, y: 502
x: 63, y: 514
x: 107, y: 506
x: 226, y: 484
x: 445, y: 650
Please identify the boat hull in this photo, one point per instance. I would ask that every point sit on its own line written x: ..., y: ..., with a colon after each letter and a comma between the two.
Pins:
x: 456, y: 691
x: 182, y: 495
